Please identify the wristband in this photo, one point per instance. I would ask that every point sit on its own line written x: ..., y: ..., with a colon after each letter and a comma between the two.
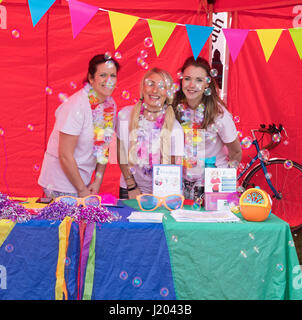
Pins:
x: 132, y: 188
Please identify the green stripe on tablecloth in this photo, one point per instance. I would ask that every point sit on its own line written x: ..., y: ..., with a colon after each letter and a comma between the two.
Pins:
x: 89, y: 277
x: 244, y: 260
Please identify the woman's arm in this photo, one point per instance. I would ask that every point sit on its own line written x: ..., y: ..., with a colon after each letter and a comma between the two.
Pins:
x: 129, y: 179
x: 235, y: 151
x: 67, y: 144
x: 94, y: 187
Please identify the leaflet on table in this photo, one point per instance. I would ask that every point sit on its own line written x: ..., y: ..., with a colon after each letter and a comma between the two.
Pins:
x: 220, y: 180
x: 167, y: 179
x: 182, y: 215
x: 139, y: 216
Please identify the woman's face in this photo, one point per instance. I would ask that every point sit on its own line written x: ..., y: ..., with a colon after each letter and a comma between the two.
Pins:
x: 104, y: 80
x: 154, y: 91
x: 194, y: 84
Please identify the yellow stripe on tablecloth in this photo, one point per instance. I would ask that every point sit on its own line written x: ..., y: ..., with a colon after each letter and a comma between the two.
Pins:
x: 6, y: 226
x: 64, y: 230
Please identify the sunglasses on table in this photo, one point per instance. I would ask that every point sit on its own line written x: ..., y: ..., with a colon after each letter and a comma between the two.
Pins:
x: 91, y: 200
x: 149, y: 202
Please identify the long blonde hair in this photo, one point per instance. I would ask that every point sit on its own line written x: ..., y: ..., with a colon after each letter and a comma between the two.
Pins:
x: 165, y: 135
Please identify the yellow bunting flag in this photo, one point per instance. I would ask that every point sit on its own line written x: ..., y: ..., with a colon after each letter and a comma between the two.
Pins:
x: 64, y: 230
x: 121, y: 25
x: 268, y: 39
x: 296, y: 35
x: 6, y: 226
x: 161, y: 32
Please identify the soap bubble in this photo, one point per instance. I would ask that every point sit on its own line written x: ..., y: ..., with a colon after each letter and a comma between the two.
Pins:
x: 174, y: 238
x: 126, y: 95
x: 207, y: 91
x: 246, y: 142
x: 144, y: 54
x: 276, y: 137
x: 1, y: 132
x: 164, y: 292
x: 236, y: 119
x: 16, y: 34
x: 213, y: 73
x: 107, y: 55
x: 118, y: 55
x: 208, y: 79
x: 179, y: 75
x: 62, y: 97
x: 48, y: 90
x: 148, y: 42
x: 280, y: 267
x: 268, y: 175
x: 288, y: 164
x: 137, y: 282
x: 9, y: 248
x: 73, y: 85
x: 264, y: 155
x: 67, y: 261
x: 36, y: 167
x: 123, y: 275
x: 30, y: 127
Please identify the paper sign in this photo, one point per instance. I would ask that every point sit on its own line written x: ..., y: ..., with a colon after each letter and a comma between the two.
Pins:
x: 220, y: 180
x: 167, y: 179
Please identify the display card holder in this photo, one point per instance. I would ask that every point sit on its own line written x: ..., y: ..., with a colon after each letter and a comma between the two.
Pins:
x: 167, y: 179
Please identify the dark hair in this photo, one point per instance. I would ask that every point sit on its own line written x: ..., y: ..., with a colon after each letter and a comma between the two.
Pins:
x: 212, y: 102
x: 95, y: 61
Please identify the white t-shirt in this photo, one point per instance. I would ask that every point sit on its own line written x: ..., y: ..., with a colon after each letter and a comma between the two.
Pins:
x: 144, y: 181
x: 222, y: 131
x: 73, y: 117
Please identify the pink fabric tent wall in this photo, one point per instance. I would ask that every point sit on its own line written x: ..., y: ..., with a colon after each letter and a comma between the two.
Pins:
x: 47, y: 56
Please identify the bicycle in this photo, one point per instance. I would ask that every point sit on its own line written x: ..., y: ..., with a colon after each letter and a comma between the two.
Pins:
x: 281, y: 178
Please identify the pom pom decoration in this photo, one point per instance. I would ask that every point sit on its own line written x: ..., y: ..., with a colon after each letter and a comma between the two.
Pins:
x: 55, y: 211
x: 255, y: 204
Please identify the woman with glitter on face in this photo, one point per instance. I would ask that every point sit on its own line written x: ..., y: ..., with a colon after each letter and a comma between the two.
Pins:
x: 210, y: 132
x: 147, y: 134
x: 79, y: 142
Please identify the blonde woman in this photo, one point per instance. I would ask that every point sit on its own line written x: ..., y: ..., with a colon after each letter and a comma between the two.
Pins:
x: 148, y: 134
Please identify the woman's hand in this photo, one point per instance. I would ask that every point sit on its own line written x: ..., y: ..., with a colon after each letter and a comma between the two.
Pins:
x: 94, y: 187
x: 132, y: 194
x: 83, y: 193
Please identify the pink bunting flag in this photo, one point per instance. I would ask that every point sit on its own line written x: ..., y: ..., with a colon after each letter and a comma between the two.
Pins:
x: 80, y: 14
x: 235, y: 39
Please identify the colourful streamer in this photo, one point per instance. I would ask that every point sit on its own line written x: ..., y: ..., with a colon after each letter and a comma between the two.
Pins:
x: 64, y: 230
x: 90, y: 268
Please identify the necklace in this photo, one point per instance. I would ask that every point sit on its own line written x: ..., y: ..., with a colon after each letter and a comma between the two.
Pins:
x: 148, y: 140
x: 191, y: 124
x: 103, y: 119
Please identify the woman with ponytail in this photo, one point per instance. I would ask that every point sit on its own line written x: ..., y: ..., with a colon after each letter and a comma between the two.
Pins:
x: 147, y: 134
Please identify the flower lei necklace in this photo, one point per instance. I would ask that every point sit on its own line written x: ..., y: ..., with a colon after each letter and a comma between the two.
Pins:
x: 103, y: 118
x: 191, y: 122
x: 148, y: 136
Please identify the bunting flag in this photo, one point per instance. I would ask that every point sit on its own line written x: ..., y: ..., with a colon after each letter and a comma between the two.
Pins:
x: 198, y: 36
x: 80, y: 14
x: 38, y: 8
x: 235, y: 39
x: 268, y: 39
x: 121, y: 25
x: 296, y: 35
x: 161, y: 32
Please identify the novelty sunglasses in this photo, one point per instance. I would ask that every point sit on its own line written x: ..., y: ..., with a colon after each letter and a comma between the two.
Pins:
x: 149, y: 202
x: 91, y: 200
